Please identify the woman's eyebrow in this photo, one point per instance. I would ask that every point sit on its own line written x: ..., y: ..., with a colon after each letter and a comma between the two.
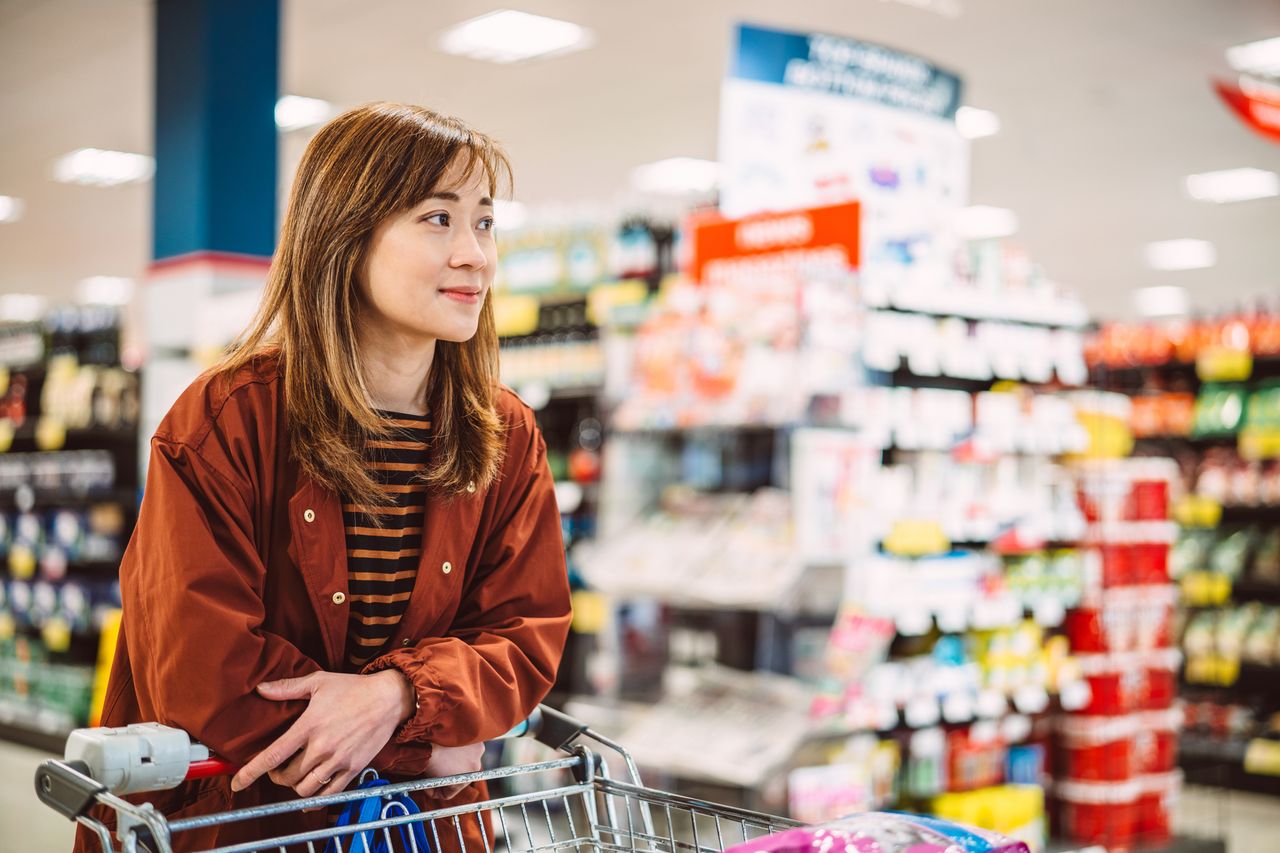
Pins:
x: 445, y: 195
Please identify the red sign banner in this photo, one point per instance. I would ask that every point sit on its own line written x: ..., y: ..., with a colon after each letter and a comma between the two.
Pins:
x: 794, y: 239
x: 1257, y: 111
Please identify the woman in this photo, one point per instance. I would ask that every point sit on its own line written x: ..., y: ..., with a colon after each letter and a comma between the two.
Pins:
x: 348, y: 552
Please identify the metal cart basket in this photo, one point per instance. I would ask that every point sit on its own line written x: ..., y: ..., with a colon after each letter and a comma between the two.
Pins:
x: 583, y: 809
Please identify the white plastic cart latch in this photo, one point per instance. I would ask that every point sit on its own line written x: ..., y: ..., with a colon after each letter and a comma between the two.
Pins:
x: 140, y: 757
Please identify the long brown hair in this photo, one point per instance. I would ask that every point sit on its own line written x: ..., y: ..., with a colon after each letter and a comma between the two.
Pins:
x: 365, y: 165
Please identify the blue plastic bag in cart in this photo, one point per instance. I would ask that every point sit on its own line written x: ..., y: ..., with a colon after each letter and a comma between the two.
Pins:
x: 883, y: 832
x: 372, y: 808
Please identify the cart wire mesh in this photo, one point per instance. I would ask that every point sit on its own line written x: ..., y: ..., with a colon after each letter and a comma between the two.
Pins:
x: 590, y: 813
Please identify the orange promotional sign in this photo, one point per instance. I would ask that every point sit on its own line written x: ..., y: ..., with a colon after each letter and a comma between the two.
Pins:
x: 825, y: 237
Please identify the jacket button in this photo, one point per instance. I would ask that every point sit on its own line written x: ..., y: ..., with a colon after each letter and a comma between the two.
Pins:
x: 339, y: 597
x: 446, y: 568
x: 406, y: 642
x: 309, y: 516
x: 471, y: 487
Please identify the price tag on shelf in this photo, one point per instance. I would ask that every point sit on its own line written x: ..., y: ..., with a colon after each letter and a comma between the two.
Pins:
x: 604, y: 300
x: 1197, y: 511
x: 7, y: 626
x: 22, y: 562
x: 1262, y: 756
x: 1257, y: 443
x: 515, y: 314
x: 590, y: 612
x: 51, y: 433
x: 1220, y: 364
x: 4, y: 380
x: 56, y: 634
x: 916, y: 538
x: 6, y: 434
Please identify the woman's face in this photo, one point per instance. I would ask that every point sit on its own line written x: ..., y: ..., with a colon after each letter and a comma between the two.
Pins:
x: 430, y: 268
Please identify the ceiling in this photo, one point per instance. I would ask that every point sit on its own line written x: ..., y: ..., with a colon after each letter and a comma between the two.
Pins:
x: 1105, y: 108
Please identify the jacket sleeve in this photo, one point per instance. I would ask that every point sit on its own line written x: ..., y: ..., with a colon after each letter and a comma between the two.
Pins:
x: 504, y: 646
x: 192, y: 586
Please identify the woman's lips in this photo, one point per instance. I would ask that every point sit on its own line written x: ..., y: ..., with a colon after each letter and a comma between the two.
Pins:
x: 466, y: 297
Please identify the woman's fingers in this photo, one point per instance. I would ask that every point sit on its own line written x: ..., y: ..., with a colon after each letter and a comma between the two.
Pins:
x: 320, y: 779
x: 278, y: 753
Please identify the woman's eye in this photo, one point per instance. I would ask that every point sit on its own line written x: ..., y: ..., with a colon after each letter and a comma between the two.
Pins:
x: 486, y: 224
x: 439, y: 219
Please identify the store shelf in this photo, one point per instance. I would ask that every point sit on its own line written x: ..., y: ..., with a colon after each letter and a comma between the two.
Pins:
x: 89, y: 438
x: 62, y: 498
x: 977, y: 304
x: 1242, y: 591
x: 52, y: 742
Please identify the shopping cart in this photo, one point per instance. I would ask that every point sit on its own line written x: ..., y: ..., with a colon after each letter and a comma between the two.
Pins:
x: 584, y: 809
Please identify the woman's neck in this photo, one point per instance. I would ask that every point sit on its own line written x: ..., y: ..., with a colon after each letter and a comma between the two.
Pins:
x: 396, y: 370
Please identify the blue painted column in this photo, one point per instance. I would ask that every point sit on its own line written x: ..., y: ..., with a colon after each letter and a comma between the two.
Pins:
x: 216, y: 85
x: 217, y: 81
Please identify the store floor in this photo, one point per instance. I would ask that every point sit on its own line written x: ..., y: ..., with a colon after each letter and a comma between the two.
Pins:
x: 1249, y: 822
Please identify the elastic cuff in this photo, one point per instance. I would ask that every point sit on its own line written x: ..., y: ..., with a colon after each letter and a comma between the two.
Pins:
x: 432, y: 701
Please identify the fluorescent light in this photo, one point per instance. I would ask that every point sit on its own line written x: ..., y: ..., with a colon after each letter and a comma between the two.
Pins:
x: 11, y: 208
x: 294, y: 112
x: 974, y: 123
x: 21, y: 307
x: 1163, y: 301
x: 97, y: 168
x: 676, y: 176
x: 509, y: 215
x: 510, y: 36
x: 1233, y: 185
x: 104, y: 290
x: 1169, y: 255
x: 1256, y: 57
x: 986, y: 223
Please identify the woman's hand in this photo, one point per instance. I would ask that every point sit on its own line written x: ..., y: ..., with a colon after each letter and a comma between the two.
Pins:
x: 349, y: 718
x: 453, y: 761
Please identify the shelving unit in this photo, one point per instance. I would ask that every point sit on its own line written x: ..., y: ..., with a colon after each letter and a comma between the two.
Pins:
x: 68, y: 501
x: 1224, y: 714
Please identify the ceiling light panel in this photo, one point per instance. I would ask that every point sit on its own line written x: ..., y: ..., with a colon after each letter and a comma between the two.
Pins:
x: 98, y: 168
x: 1162, y: 301
x: 294, y: 112
x: 1257, y: 57
x: 1230, y: 185
x: 11, y: 209
x: 1174, y: 255
x: 974, y: 123
x: 510, y: 36
x: 676, y: 176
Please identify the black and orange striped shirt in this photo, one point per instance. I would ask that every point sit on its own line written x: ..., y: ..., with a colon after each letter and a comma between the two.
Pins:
x: 382, y: 561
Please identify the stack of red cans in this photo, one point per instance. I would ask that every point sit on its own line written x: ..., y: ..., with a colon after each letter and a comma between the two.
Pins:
x: 1117, y: 778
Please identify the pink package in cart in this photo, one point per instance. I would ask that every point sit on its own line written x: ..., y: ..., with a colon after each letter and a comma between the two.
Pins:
x: 880, y: 832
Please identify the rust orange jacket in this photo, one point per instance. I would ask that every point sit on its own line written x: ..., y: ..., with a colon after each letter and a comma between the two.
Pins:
x: 236, y: 574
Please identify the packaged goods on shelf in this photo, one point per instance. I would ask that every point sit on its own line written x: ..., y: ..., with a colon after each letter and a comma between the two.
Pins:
x: 985, y: 350
x: 708, y: 722
x: 717, y: 551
